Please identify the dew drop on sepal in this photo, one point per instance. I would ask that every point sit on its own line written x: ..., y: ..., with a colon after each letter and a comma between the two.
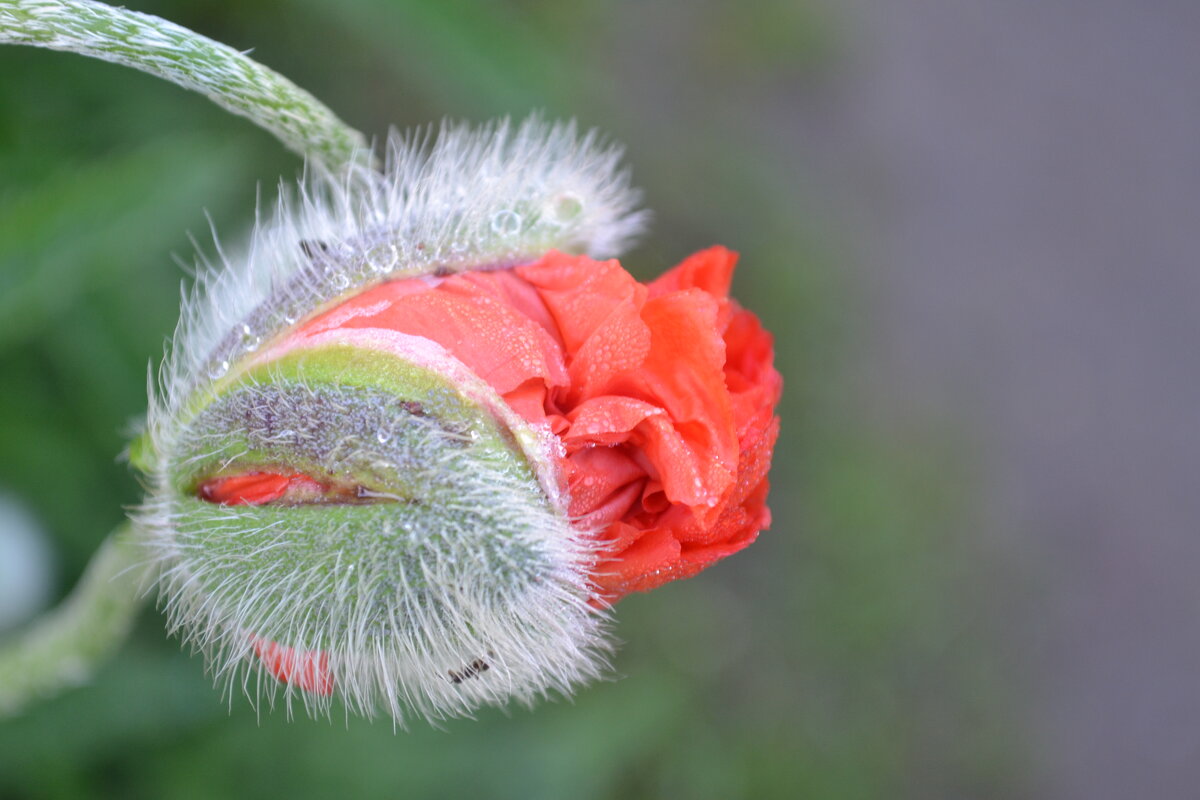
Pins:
x: 565, y: 208
x: 506, y: 223
x: 383, y: 258
x: 249, y: 340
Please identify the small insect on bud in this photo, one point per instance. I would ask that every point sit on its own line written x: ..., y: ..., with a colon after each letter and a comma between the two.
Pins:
x: 410, y: 448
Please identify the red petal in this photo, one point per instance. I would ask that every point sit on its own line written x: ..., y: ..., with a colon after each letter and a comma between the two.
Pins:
x: 256, y: 488
x: 501, y: 345
x: 306, y: 670
x: 596, y: 309
x: 604, y: 485
x: 710, y: 270
x: 683, y: 376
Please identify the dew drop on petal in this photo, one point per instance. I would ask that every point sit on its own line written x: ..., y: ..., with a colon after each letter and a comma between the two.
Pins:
x: 218, y: 369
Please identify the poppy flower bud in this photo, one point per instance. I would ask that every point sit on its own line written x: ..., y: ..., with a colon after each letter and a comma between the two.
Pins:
x: 409, y: 448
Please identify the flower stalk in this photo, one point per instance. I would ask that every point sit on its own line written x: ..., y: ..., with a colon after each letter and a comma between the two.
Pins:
x: 230, y: 79
x: 63, y: 647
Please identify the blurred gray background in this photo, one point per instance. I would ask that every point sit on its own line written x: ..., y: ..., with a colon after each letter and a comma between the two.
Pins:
x: 1024, y: 184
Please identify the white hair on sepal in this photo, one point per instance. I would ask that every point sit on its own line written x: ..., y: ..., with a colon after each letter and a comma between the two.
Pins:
x: 460, y: 631
x: 488, y: 585
x: 458, y: 198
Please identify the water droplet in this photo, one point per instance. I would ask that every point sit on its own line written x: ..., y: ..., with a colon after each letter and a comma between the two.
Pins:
x: 565, y: 208
x: 383, y: 258
x: 383, y: 436
x: 218, y: 369
x: 506, y: 222
x: 250, y: 339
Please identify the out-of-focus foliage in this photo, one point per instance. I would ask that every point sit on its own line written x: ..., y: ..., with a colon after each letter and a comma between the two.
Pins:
x: 836, y: 658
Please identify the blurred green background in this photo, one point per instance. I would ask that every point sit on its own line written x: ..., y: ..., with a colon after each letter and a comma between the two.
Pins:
x: 844, y: 655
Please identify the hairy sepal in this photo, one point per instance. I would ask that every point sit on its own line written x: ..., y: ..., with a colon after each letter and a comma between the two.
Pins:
x: 457, y: 199
x: 454, y: 579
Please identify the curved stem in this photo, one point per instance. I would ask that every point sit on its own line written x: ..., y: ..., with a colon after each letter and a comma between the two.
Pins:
x: 227, y: 77
x: 63, y: 647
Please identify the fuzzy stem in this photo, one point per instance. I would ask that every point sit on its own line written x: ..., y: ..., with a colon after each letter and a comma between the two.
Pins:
x: 64, y: 646
x: 162, y: 48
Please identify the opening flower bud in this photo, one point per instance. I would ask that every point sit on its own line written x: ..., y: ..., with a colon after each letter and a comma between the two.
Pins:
x: 409, y: 450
